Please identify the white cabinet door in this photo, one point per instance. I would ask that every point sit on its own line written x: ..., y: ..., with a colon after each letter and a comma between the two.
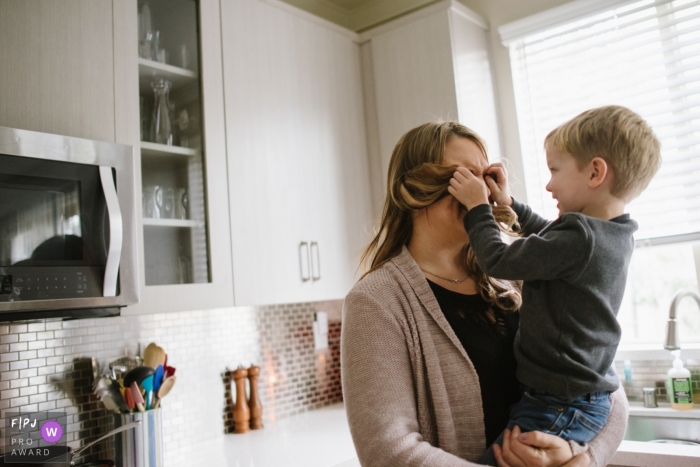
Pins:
x: 296, y: 151
x: 266, y: 152
x: 56, y: 67
x: 341, y: 210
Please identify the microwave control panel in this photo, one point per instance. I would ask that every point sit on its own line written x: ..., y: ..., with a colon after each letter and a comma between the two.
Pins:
x: 23, y: 283
x: 5, y: 285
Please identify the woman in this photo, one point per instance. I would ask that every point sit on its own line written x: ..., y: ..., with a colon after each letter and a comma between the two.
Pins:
x: 426, y: 348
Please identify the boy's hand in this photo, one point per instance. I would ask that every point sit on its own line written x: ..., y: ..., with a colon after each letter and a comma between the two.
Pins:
x: 497, y: 181
x: 469, y: 189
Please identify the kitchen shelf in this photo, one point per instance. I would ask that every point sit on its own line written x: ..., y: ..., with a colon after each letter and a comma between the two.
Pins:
x: 163, y: 150
x: 188, y: 223
x: 150, y: 70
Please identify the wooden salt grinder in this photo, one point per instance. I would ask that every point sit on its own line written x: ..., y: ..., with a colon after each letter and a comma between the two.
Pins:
x: 254, y: 401
x: 241, y: 412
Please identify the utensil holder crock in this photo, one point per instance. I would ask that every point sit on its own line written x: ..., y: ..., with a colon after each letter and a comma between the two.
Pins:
x: 142, y: 446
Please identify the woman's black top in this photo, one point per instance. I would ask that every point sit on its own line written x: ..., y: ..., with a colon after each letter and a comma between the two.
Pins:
x: 487, y: 334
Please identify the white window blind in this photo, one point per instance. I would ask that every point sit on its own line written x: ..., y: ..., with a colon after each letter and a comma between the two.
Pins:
x: 644, y: 55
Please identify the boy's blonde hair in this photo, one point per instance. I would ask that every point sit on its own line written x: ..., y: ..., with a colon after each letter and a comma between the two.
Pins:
x: 620, y: 137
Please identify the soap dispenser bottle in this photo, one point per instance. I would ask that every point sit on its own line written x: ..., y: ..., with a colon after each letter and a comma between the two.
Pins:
x: 680, y: 391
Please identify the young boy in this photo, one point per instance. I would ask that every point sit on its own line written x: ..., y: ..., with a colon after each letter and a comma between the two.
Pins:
x: 574, y: 268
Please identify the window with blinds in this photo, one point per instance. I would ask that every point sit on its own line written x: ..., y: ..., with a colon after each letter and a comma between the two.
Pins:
x: 644, y: 55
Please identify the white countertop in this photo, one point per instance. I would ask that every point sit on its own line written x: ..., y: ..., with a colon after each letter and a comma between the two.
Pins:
x: 319, y: 438
x: 643, y: 454
x: 664, y: 410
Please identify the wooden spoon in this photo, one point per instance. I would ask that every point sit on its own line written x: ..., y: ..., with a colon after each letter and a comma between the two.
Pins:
x: 153, y: 355
x: 165, y: 388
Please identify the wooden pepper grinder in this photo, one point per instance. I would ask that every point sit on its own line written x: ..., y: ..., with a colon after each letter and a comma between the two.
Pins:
x: 241, y: 412
x: 256, y: 408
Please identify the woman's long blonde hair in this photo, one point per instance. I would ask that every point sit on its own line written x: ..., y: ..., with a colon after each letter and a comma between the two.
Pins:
x: 416, y: 180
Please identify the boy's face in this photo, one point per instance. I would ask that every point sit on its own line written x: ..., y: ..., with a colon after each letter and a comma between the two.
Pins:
x: 568, y: 184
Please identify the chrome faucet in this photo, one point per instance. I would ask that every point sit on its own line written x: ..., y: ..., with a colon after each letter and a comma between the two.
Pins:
x: 672, y: 342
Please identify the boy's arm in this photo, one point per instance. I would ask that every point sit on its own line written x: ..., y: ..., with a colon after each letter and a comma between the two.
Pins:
x: 530, y: 222
x: 562, y: 252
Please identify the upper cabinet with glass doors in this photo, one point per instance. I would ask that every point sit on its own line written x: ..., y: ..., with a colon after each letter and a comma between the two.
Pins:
x: 174, y: 98
x: 176, y: 250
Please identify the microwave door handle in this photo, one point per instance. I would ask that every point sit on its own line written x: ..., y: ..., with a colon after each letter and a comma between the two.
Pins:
x: 114, y: 252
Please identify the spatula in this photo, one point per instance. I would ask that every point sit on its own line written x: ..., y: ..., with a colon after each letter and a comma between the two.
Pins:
x: 129, y: 399
x: 138, y: 398
x: 147, y: 385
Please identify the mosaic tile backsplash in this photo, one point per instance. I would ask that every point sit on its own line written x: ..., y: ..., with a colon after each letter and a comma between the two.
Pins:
x: 653, y: 374
x: 46, y: 365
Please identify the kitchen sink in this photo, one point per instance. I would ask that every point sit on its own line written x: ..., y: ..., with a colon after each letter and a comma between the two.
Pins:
x: 663, y: 429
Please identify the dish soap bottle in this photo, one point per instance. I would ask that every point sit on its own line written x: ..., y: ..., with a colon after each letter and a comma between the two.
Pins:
x: 680, y: 391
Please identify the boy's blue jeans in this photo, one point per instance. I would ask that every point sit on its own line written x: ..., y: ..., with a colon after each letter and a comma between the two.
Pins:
x: 577, y: 419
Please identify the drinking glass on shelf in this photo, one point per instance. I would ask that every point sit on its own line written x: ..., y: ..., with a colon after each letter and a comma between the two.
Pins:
x: 152, y: 201
x: 162, y: 56
x: 155, y: 46
x: 168, y: 206
x: 182, y: 124
x: 182, y: 203
x: 184, y: 57
x: 145, y: 33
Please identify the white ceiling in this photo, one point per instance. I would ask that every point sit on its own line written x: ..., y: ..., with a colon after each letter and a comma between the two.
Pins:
x: 358, y: 15
x: 350, y: 4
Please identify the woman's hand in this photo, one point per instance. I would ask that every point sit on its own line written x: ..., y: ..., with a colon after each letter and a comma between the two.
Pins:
x: 536, y: 449
x: 497, y: 181
x: 469, y: 189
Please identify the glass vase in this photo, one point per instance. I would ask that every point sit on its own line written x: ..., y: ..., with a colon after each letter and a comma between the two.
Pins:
x: 161, y: 125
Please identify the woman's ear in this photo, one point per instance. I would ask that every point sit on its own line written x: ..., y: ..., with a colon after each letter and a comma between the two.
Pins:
x: 598, y: 171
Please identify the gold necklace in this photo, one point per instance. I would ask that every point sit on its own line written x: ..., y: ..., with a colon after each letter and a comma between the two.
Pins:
x: 454, y: 281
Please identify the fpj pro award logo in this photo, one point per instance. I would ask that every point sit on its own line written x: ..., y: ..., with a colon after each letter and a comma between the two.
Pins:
x: 35, y: 437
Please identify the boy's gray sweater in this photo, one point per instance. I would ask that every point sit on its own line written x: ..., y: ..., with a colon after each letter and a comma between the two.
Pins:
x: 574, y: 271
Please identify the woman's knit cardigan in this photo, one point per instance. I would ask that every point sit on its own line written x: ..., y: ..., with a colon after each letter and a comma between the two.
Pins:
x: 412, y: 394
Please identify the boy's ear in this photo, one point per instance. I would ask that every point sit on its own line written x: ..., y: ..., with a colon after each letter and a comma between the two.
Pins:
x: 598, y: 171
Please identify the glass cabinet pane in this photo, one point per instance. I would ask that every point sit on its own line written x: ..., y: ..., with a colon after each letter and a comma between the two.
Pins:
x: 172, y: 147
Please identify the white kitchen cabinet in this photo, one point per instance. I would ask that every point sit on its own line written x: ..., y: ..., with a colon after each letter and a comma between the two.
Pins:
x: 72, y: 67
x: 432, y: 64
x: 185, y: 261
x: 56, y: 67
x: 297, y: 156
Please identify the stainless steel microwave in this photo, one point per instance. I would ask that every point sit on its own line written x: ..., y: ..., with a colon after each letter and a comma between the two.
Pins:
x: 67, y: 226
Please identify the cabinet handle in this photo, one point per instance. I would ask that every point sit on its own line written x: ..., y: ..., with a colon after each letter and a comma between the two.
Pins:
x: 315, y: 261
x: 304, y: 260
